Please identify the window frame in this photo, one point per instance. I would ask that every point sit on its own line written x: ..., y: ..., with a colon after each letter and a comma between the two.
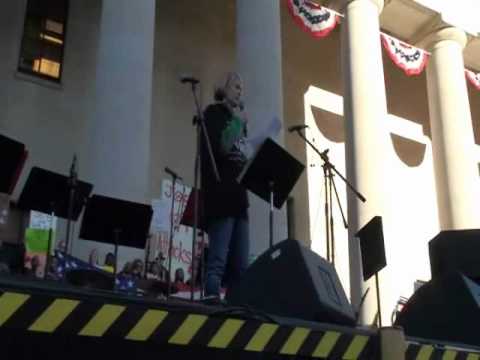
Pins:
x: 43, y: 30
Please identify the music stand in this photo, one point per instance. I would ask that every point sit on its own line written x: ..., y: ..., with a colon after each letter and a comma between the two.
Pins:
x: 48, y: 192
x: 188, y: 216
x: 12, y: 159
x: 271, y: 174
x: 372, y: 247
x: 117, y: 222
x: 188, y: 219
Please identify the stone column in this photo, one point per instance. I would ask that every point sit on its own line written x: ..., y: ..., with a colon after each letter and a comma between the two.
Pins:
x: 259, y: 61
x: 118, y: 134
x: 456, y: 171
x: 365, y: 113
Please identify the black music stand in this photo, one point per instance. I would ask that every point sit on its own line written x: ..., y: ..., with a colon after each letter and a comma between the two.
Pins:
x: 271, y: 174
x: 12, y: 159
x: 49, y: 193
x: 188, y: 219
x: 372, y: 247
x: 117, y: 222
x: 188, y: 216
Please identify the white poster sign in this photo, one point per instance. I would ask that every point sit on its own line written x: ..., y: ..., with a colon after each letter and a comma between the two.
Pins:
x: 182, y: 235
x: 42, y: 221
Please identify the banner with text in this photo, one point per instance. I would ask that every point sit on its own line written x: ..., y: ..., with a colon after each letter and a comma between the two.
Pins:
x: 182, y: 235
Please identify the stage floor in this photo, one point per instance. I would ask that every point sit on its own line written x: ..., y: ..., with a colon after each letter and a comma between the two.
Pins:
x: 49, y: 320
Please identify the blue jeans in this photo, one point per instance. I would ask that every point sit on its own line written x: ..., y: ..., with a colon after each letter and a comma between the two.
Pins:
x: 228, y: 244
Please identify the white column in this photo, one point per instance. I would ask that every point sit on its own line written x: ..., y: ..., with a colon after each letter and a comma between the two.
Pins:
x: 456, y: 171
x: 118, y: 137
x: 365, y: 115
x: 259, y: 51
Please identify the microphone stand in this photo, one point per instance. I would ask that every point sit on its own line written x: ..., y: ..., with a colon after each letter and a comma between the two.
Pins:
x: 201, y: 131
x: 170, y: 242
x: 328, y: 170
x: 72, y: 184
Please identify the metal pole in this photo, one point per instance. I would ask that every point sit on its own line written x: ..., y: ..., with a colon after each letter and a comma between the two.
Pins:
x: 49, y: 244
x: 72, y: 184
x: 116, y: 236
x: 271, y: 185
x: 327, y: 228
x: 196, y: 206
x: 170, y: 242
x: 147, y: 255
x: 378, y: 300
x: 332, y: 231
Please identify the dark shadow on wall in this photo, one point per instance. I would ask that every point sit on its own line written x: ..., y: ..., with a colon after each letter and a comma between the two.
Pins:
x: 406, y: 95
x: 410, y: 152
x: 329, y: 124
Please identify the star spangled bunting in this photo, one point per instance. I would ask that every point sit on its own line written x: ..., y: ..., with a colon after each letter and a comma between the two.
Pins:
x: 474, y: 78
x: 313, y: 18
x: 66, y: 263
x: 126, y: 284
x: 410, y: 59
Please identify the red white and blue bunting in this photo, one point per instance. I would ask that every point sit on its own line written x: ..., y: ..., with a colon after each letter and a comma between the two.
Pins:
x: 410, y: 59
x: 320, y: 21
x: 473, y: 78
x: 313, y: 18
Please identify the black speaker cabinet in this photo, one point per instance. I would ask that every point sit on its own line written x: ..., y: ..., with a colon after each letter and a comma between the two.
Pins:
x: 446, y: 308
x: 292, y: 281
x: 455, y: 250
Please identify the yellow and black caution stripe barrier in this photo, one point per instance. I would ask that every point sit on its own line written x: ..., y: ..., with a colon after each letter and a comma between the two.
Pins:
x: 40, y: 313
x: 418, y: 351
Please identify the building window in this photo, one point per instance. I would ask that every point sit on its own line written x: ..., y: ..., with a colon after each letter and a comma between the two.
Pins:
x: 43, y: 39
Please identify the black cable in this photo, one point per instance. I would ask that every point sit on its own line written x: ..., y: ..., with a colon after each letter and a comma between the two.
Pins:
x: 246, y: 310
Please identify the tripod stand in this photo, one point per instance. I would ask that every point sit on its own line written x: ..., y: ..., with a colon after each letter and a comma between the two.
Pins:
x: 329, y: 170
x: 331, y: 188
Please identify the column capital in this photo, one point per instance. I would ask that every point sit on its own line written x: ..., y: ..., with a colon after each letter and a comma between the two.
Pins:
x: 457, y: 35
x: 340, y: 5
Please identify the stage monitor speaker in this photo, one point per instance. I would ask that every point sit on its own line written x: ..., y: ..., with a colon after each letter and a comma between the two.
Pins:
x: 455, y: 250
x: 445, y: 309
x: 292, y: 281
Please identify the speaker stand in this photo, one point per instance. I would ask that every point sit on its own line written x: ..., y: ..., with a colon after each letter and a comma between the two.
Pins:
x: 271, y: 187
x: 379, y: 311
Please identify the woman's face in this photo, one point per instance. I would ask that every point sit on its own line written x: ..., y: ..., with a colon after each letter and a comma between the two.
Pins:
x: 138, y: 267
x: 234, y: 90
x: 179, y: 275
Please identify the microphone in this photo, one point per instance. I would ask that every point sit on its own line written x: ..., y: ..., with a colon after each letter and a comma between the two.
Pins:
x: 189, y: 80
x: 297, y: 128
x: 172, y: 173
